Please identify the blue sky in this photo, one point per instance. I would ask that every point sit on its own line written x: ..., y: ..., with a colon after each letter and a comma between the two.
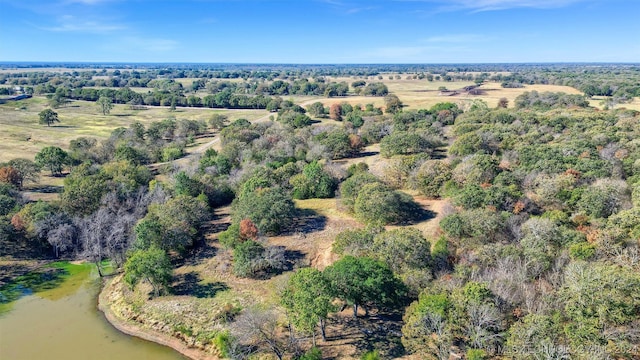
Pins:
x: 320, y: 31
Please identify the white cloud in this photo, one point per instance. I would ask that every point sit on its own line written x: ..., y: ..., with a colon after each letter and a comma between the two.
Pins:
x: 490, y: 5
x: 86, y: 2
x: 69, y: 23
x: 457, y: 38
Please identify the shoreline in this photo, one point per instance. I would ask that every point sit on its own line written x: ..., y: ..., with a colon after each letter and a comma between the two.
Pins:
x: 133, y: 329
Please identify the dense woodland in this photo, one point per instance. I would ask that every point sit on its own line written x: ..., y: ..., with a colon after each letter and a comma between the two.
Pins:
x: 537, y: 257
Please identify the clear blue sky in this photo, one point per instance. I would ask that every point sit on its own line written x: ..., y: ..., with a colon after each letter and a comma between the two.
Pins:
x: 320, y: 31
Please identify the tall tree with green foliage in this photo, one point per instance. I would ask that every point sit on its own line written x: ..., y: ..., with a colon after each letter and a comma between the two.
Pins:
x: 105, y: 104
x: 307, y: 298
x: 48, y: 116
x: 151, y: 265
x: 364, y: 282
x: 53, y: 158
x: 314, y: 182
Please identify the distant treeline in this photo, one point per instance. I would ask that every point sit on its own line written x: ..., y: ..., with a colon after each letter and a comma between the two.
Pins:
x: 615, y: 80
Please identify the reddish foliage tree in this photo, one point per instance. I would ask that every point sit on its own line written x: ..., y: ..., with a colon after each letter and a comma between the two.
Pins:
x: 335, y: 112
x: 248, y: 230
x: 18, y: 222
x: 10, y: 175
x: 355, y: 141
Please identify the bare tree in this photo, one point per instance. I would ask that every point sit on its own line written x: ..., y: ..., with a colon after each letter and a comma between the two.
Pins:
x: 484, y: 328
x: 260, y: 329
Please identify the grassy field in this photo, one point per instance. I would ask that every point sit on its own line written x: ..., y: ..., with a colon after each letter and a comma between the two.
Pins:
x: 420, y: 94
x: 22, y: 136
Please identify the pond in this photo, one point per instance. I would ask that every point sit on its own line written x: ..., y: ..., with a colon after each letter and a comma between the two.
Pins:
x: 52, y: 314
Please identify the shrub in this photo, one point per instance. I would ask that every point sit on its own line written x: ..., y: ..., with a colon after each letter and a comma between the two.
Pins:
x: 378, y: 204
x: 312, y: 354
x: 431, y: 177
x: 270, y: 209
x: 582, y: 251
x: 313, y: 182
x: 405, y: 143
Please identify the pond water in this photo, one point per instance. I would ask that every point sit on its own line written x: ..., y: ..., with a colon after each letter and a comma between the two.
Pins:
x: 59, y: 319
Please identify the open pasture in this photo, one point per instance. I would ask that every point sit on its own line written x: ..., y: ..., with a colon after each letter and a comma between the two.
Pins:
x: 23, y: 136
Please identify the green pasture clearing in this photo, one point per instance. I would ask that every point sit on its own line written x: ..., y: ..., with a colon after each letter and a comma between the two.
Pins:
x: 22, y: 136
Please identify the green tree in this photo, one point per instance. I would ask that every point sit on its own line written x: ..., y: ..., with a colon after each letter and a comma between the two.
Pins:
x: 48, y: 116
x: 180, y: 219
x: 407, y: 142
x: 218, y: 121
x: 392, y: 104
x: 364, y: 282
x: 403, y: 249
x: 377, y: 204
x: 314, y: 182
x: 53, y: 158
x: 270, y: 209
x: 316, y: 109
x: 105, y: 104
x: 307, y: 298
x: 431, y: 177
x: 151, y: 265
x: 426, y: 331
x: 28, y: 170
x: 349, y: 188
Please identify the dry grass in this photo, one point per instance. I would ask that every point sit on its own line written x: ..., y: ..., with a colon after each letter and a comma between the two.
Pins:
x: 421, y: 94
x: 22, y: 136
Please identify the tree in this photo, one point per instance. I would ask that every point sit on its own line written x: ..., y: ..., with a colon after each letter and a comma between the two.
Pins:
x: 349, y: 188
x: 10, y: 175
x: 316, y: 109
x: 364, y: 282
x: 48, y: 116
x: 52, y: 157
x: 218, y: 121
x: 28, y: 170
x: 151, y: 265
x: 307, y: 298
x: 392, y: 104
x: 105, y: 104
x: 407, y: 142
x: 403, y: 249
x: 426, y: 330
x: 431, y: 177
x: 503, y: 103
x: 335, y: 112
x: 270, y: 209
x: 377, y: 204
x: 260, y: 328
x: 248, y: 230
x: 314, y: 182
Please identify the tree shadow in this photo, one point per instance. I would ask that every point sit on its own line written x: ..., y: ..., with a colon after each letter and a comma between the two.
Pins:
x: 293, y: 259
x: 414, y: 214
x: 363, y: 154
x: 199, y: 253
x: 31, y: 282
x: 305, y: 221
x: 189, y: 284
x: 381, y: 331
x: 439, y: 154
x: 45, y: 189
